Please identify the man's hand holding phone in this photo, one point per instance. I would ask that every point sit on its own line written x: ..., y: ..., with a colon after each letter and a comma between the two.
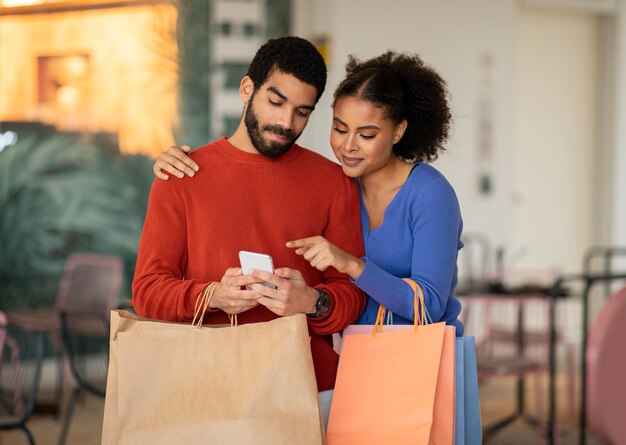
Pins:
x: 283, y: 291
x: 229, y: 296
x: 291, y: 296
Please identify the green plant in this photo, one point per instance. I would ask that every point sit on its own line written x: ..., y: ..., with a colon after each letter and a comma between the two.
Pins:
x: 193, y: 36
x: 61, y: 193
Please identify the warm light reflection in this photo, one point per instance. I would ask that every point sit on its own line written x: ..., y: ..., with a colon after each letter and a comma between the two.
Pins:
x: 104, y: 70
x: 68, y: 96
x: 74, y: 68
x: 15, y: 3
x: 63, y: 81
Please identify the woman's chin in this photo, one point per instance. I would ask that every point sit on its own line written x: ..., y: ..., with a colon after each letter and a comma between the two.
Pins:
x: 350, y: 172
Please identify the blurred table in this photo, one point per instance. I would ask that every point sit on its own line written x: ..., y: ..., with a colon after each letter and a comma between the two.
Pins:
x: 519, y: 365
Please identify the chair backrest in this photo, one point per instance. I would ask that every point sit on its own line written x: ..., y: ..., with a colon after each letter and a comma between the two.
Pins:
x: 86, y: 341
x: 493, y: 320
x: 3, y: 330
x: 473, y: 262
x: 21, y: 358
x: 91, y: 282
x: 606, y: 368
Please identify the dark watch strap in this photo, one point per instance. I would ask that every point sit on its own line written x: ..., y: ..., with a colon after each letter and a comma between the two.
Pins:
x: 322, y: 306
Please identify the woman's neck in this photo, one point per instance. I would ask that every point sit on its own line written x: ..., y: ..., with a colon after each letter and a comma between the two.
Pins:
x: 387, y: 179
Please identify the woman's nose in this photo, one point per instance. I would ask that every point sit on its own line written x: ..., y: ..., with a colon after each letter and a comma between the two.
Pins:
x: 351, y: 144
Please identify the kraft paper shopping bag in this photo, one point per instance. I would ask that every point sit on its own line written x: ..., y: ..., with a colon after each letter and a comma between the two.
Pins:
x: 175, y: 383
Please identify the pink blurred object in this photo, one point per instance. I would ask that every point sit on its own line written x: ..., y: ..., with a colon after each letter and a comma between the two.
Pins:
x: 606, y: 368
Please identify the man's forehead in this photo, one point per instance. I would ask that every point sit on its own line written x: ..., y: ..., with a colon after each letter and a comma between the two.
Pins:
x: 290, y: 87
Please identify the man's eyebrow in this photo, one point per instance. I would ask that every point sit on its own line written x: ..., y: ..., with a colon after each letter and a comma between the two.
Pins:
x: 363, y: 127
x: 277, y: 92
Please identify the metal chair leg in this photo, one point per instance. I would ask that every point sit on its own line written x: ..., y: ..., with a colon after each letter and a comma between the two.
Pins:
x: 68, y: 417
x: 29, y: 435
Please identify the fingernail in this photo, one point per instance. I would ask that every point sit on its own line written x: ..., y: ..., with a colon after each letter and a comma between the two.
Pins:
x: 180, y: 175
x: 289, y: 244
x: 196, y: 168
x: 190, y: 172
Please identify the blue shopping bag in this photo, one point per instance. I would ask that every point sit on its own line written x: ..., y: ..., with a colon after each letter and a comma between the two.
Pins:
x: 459, y: 393
x: 468, y: 429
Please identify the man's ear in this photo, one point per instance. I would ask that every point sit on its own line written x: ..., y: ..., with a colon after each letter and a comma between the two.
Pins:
x: 246, y: 88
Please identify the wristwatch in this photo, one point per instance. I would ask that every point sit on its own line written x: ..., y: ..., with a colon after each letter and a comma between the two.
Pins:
x: 322, y: 306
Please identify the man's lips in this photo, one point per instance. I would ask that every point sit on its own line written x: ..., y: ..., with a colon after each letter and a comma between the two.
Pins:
x: 350, y: 162
x: 277, y: 137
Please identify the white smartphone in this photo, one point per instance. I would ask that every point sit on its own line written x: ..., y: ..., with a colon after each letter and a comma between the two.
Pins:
x: 258, y: 261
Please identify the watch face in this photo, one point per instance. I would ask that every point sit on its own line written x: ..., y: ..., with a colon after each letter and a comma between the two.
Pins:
x: 323, y: 303
x: 322, y: 306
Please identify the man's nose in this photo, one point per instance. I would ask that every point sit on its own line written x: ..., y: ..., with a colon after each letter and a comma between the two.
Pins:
x: 286, y: 120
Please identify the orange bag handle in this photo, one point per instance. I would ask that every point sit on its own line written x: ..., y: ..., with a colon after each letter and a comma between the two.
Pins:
x: 418, y: 300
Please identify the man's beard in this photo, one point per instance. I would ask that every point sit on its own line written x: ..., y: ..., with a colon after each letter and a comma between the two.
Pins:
x: 270, y: 149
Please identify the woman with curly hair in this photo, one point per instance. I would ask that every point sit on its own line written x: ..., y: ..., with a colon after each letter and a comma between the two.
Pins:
x: 390, y: 119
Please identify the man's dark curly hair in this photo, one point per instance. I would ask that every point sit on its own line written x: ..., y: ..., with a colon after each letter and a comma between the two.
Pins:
x: 290, y: 55
x: 405, y: 88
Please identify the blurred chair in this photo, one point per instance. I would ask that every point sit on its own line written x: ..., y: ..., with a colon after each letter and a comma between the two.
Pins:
x: 86, y: 343
x: 21, y: 358
x: 474, y: 263
x: 606, y: 368
x: 512, y: 330
x: 512, y: 337
x: 602, y: 260
x: 90, y: 282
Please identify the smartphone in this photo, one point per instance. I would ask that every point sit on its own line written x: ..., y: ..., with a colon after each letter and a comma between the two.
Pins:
x: 258, y: 261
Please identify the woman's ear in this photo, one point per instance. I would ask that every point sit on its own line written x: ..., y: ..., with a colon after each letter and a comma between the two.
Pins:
x: 399, y: 131
x: 246, y: 88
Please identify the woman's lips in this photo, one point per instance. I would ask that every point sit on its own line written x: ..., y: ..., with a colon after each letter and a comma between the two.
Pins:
x: 351, y: 162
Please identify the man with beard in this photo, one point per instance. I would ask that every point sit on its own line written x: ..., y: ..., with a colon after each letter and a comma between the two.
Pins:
x: 255, y: 191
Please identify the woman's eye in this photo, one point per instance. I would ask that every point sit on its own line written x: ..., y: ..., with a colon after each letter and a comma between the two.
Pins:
x: 368, y: 136
x: 338, y: 130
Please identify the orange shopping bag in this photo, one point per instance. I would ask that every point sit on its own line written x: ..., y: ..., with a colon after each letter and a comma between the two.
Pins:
x: 386, y: 384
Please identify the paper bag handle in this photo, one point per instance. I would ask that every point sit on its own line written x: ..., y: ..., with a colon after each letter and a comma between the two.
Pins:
x: 418, y: 301
x: 202, y: 302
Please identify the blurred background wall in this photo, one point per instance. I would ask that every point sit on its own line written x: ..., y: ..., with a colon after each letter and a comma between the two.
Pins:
x: 528, y: 81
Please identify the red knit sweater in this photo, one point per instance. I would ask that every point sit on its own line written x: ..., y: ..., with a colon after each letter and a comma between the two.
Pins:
x: 195, y: 228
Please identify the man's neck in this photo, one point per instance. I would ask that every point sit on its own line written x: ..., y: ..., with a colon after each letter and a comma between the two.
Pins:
x: 241, y: 140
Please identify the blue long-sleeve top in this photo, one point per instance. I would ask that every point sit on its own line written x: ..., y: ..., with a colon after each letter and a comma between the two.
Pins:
x: 419, y: 239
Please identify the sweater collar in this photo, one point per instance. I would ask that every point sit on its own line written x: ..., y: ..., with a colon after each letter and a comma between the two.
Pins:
x: 240, y: 155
